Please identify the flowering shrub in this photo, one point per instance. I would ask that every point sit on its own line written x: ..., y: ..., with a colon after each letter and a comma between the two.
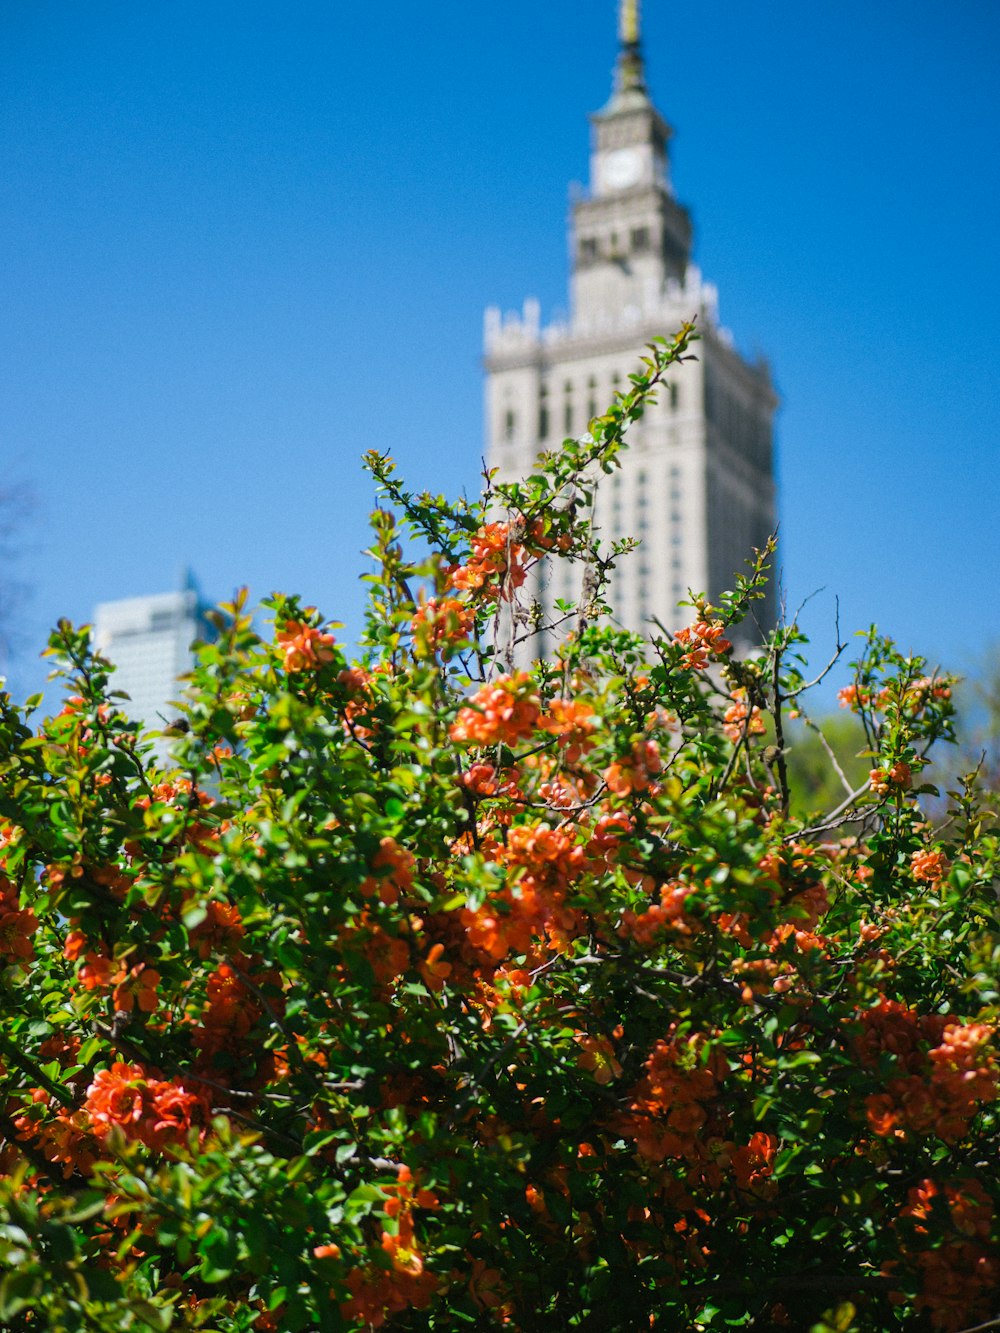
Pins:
x: 437, y: 990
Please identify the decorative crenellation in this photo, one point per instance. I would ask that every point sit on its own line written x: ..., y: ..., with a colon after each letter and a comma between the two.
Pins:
x: 513, y: 334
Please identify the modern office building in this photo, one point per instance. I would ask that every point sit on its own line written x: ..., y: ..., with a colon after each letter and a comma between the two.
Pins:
x: 697, y: 483
x: 149, y: 639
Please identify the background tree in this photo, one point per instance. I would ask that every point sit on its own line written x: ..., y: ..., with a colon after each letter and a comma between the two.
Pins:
x: 826, y: 761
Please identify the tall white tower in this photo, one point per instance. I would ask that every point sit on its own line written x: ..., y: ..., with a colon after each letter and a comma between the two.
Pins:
x: 149, y: 640
x: 696, y: 485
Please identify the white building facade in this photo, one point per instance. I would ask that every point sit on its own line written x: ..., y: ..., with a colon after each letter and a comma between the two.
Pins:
x: 696, y: 486
x: 149, y: 640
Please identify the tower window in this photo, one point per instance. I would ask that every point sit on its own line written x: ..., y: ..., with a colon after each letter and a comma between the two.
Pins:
x: 568, y: 408
x: 672, y: 389
x: 509, y: 424
x: 543, y: 413
x: 640, y: 239
x: 588, y: 247
x: 591, y: 398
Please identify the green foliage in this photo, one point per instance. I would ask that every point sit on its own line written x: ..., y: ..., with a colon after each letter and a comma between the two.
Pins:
x: 446, y: 988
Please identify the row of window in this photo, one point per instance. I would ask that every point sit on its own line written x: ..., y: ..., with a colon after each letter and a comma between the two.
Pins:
x: 552, y: 408
x: 640, y: 240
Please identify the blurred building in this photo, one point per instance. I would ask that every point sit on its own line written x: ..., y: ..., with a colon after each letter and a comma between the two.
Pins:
x: 697, y: 482
x: 149, y: 639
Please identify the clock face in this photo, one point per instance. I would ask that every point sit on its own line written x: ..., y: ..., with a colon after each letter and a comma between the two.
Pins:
x: 621, y: 169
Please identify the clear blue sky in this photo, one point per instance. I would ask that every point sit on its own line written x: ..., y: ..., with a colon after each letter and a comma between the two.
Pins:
x: 243, y: 242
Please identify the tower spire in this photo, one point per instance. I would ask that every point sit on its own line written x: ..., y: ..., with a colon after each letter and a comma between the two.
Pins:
x: 629, y: 72
x: 628, y: 22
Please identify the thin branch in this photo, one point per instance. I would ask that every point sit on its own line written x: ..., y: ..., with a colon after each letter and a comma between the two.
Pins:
x: 50, y: 1170
x: 779, y: 730
x: 829, y: 753
x: 28, y: 1066
x: 833, y: 820
x: 808, y: 685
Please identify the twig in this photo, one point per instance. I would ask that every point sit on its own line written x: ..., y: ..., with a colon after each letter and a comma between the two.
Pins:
x: 28, y: 1066
x: 829, y: 752
x: 833, y: 819
x: 779, y: 730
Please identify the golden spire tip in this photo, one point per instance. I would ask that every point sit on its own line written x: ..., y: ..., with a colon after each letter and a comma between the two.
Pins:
x: 628, y: 22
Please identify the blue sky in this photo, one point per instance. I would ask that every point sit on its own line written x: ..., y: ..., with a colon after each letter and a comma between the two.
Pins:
x: 243, y: 242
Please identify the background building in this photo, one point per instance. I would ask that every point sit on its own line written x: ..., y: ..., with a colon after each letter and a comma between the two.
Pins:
x: 697, y: 482
x: 149, y: 639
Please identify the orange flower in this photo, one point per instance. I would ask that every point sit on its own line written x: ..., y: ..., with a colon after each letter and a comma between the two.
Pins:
x: 441, y: 623
x: 549, y: 856
x: 671, y: 1102
x: 394, y: 872
x: 118, y: 1096
x: 705, y: 637
x: 598, y: 1055
x: 572, y: 721
x: 497, y: 934
x: 505, y: 711
x: 481, y: 780
x: 303, y: 647
x: 137, y: 990
x: 434, y: 969
x: 496, y: 567
x: 668, y: 913
x: 387, y: 955
x: 895, y: 778
x: 924, y: 690
x: 929, y: 866
x: 221, y: 930
x: 753, y: 1164
x: 156, y: 1111
x: 97, y: 971
x: 739, y: 721
x: 16, y: 928
x: 485, y: 1286
x: 174, y: 1111
x: 230, y: 1011
x: 969, y: 1205
x: 634, y: 773
x: 76, y: 943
